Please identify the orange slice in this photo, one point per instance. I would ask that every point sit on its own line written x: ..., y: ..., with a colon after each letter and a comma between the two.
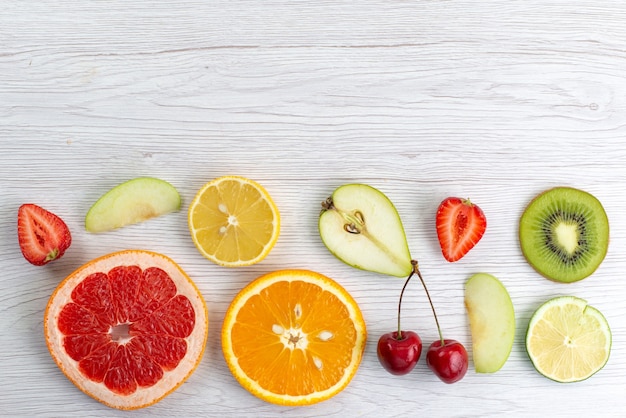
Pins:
x: 293, y: 337
x: 233, y: 221
x: 127, y: 328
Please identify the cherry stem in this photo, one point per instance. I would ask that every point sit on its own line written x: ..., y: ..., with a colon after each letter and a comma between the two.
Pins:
x: 430, y: 301
x: 399, y: 336
x: 416, y: 270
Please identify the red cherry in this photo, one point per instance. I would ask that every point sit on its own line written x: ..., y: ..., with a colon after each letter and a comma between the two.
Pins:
x: 398, y: 355
x: 399, y: 351
x: 448, y: 361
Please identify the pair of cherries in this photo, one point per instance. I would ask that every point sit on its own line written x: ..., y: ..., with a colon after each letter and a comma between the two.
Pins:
x: 399, y: 351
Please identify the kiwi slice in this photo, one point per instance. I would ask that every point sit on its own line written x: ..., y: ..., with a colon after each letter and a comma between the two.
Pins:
x: 564, y: 234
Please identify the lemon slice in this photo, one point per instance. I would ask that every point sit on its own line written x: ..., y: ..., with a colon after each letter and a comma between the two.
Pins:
x: 568, y: 340
x: 233, y: 221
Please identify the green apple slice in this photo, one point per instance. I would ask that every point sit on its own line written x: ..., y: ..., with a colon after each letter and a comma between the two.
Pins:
x: 131, y: 202
x: 361, y: 227
x: 492, y: 322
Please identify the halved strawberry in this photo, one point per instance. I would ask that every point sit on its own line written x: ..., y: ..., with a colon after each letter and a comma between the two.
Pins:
x: 460, y: 225
x: 42, y: 235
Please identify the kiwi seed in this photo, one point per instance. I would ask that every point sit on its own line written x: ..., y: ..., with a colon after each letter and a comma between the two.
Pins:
x: 564, y: 234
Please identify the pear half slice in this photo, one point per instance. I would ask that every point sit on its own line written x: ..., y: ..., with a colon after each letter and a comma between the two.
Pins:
x: 492, y: 321
x: 360, y: 226
x: 131, y: 202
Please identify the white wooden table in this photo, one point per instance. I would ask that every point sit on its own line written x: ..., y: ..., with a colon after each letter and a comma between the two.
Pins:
x: 495, y: 101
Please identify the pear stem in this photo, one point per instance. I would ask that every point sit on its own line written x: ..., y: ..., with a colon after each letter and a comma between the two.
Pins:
x: 416, y: 270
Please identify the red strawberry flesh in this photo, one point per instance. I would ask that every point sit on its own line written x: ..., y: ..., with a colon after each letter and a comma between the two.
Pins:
x: 460, y: 225
x: 42, y: 235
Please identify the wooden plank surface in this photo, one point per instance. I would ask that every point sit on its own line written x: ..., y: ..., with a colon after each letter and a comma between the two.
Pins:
x: 495, y: 101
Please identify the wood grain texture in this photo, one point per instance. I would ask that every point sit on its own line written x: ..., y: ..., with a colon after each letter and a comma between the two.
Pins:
x: 422, y: 99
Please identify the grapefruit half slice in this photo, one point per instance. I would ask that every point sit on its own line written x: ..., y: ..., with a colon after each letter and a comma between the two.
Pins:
x: 127, y: 328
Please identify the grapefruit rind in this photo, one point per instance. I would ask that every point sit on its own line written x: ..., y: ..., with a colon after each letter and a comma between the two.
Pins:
x: 293, y: 275
x: 171, y: 380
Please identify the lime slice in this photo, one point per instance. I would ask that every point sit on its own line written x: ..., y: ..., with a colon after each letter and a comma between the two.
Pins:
x: 568, y: 340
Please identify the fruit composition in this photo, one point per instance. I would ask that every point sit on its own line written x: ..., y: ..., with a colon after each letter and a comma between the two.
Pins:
x: 130, y: 327
x: 127, y: 328
x: 233, y: 221
x: 361, y: 227
x: 564, y: 234
x: 567, y: 340
x: 131, y: 202
x: 293, y: 337
x: 42, y: 235
x: 460, y: 225
x: 492, y: 322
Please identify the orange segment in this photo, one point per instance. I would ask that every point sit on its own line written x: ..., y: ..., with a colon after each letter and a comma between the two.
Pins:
x: 127, y: 328
x: 293, y: 337
x: 233, y: 221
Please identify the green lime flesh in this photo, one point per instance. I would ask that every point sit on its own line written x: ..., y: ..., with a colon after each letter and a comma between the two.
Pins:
x: 564, y: 234
x: 572, y: 327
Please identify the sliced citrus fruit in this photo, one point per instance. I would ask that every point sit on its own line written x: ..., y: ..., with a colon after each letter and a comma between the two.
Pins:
x: 233, y: 221
x: 293, y: 337
x: 568, y: 340
x: 127, y: 328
